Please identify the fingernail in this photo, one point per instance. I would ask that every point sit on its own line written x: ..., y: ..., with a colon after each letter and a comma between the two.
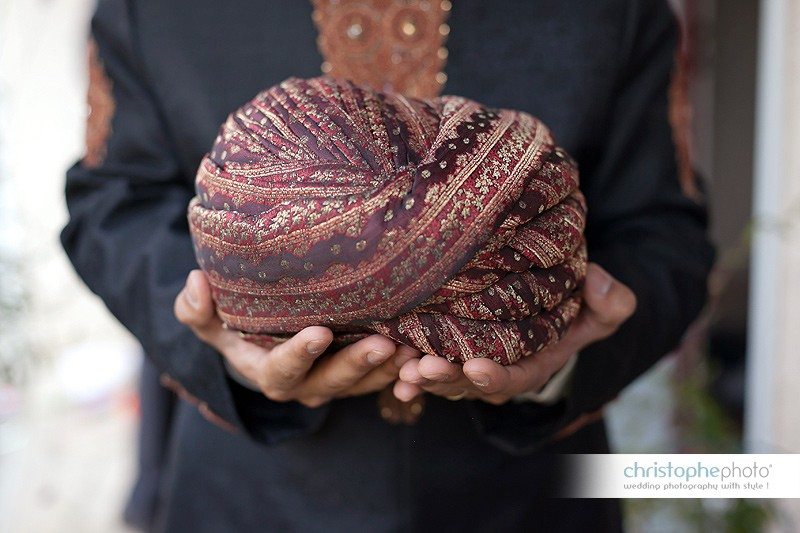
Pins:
x: 191, y: 293
x: 437, y: 377
x: 316, y: 347
x: 375, y: 357
x: 603, y: 282
x: 479, y: 379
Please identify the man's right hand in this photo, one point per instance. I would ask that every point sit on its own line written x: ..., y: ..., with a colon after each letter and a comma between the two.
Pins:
x: 288, y: 371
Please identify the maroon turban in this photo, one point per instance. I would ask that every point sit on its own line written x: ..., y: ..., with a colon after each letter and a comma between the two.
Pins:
x: 443, y: 224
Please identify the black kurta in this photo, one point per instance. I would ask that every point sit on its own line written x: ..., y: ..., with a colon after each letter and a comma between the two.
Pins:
x: 596, y: 72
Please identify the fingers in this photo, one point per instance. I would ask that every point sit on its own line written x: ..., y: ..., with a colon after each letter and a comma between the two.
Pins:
x: 438, y: 369
x: 350, y: 364
x: 431, y: 374
x: 608, y: 303
x: 439, y: 376
x: 490, y: 377
x: 379, y: 378
x: 288, y: 371
x: 403, y: 390
x: 288, y: 364
x: 529, y: 374
x: 403, y: 354
x: 276, y: 371
x: 375, y: 380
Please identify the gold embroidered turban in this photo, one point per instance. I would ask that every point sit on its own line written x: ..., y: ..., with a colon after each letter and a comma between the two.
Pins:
x: 442, y: 223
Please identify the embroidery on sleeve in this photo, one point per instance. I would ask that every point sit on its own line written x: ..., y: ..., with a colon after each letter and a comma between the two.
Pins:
x: 680, y: 115
x: 101, y: 105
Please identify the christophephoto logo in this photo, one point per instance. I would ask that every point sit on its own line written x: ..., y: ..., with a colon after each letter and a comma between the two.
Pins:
x: 698, y: 475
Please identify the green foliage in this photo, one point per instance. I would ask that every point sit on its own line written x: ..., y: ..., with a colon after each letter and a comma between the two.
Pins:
x: 698, y: 516
x: 705, y: 426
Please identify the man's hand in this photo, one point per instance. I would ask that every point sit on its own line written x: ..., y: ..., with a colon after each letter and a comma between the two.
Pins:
x: 289, y: 370
x: 607, y: 304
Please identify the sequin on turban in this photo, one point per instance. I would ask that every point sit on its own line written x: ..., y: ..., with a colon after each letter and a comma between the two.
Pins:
x: 443, y: 224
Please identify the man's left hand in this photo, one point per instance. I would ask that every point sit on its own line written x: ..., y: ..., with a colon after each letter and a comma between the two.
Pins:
x: 607, y: 305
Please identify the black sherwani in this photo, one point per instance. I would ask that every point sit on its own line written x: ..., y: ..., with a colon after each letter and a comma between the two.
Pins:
x: 596, y: 72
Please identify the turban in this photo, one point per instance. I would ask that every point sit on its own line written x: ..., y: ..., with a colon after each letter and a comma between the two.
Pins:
x: 443, y: 224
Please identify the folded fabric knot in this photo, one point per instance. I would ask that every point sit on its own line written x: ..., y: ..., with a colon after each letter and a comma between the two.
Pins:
x: 443, y: 224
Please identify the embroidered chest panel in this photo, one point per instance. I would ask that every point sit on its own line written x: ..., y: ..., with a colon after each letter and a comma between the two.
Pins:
x: 386, y: 44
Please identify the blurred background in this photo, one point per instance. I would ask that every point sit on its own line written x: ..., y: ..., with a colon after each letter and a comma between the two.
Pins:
x: 68, y: 372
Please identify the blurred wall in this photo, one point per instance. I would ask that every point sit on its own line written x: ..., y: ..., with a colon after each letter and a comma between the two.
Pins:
x: 42, y: 94
x: 773, y: 423
x: 66, y: 419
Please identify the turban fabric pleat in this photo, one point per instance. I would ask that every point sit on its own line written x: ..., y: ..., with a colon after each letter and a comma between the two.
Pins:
x: 443, y: 224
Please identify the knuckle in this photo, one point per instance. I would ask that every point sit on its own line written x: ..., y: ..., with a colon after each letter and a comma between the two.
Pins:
x: 336, y: 383
x: 287, y: 375
x: 286, y: 372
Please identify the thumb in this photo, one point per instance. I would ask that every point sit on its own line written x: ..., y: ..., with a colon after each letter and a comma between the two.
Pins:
x: 194, y: 306
x: 608, y: 303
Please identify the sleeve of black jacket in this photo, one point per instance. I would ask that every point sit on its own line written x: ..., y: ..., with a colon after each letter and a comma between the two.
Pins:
x: 128, y: 239
x: 641, y: 228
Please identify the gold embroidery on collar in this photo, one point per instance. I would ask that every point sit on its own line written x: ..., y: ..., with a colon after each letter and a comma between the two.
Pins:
x: 388, y: 44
